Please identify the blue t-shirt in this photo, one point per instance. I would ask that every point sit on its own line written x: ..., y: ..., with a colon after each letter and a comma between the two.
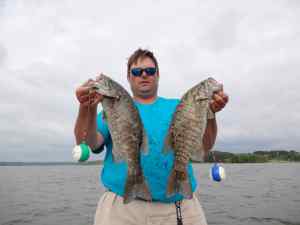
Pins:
x: 156, y: 165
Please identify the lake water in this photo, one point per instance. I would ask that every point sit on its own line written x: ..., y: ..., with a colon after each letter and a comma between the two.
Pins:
x: 252, y: 194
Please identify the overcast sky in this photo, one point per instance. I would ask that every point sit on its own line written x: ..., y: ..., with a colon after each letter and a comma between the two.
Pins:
x: 48, y: 48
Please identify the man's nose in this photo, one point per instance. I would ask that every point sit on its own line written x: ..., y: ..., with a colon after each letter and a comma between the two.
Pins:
x: 144, y: 75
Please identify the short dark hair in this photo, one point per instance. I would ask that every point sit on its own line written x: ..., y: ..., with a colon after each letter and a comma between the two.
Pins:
x: 141, y: 54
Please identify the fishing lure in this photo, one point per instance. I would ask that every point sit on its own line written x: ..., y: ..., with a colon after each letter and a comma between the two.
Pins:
x: 217, y: 172
x: 82, y: 151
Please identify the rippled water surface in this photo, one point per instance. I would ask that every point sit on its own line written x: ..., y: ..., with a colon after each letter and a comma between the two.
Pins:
x: 253, y: 194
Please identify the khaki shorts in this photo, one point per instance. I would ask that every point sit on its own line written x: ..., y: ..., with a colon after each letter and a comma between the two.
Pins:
x: 112, y: 211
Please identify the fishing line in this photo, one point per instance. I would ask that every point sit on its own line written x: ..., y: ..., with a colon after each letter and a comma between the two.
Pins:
x: 82, y: 151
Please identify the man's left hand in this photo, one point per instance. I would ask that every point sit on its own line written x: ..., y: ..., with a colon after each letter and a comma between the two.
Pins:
x: 218, y: 102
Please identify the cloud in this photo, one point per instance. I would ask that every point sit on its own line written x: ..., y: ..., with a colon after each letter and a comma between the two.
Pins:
x: 48, y: 48
x: 3, y: 55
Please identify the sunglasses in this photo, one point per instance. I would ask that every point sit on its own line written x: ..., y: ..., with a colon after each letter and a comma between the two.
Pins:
x: 137, y: 72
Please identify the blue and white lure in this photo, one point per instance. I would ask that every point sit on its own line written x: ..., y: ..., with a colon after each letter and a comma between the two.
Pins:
x: 217, y: 172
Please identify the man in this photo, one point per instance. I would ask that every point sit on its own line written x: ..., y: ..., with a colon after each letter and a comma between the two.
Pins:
x: 156, y: 113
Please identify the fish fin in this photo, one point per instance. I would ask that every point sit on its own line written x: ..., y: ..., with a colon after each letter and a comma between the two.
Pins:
x: 179, y: 182
x: 136, y: 188
x: 168, y: 143
x: 145, y: 142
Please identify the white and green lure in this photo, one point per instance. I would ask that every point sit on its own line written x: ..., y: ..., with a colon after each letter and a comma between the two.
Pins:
x: 82, y: 151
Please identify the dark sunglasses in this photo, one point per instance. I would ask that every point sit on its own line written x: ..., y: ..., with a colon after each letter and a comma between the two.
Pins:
x: 137, y: 72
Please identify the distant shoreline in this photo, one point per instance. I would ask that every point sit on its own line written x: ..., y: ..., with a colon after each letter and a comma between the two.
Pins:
x: 93, y: 163
x: 255, y: 157
x: 275, y: 156
x: 97, y: 162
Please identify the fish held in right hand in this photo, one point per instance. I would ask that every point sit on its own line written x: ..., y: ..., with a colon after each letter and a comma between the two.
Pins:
x: 127, y: 133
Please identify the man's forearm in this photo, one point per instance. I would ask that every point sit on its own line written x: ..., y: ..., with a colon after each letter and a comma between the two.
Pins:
x: 210, y: 134
x: 87, y: 123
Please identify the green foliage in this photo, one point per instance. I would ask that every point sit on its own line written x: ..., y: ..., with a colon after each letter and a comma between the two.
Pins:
x: 255, y: 157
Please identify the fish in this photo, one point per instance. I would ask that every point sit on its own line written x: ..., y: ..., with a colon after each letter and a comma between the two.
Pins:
x: 185, y: 134
x: 127, y: 132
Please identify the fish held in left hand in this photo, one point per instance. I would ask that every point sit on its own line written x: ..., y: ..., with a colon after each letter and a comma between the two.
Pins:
x: 186, y: 133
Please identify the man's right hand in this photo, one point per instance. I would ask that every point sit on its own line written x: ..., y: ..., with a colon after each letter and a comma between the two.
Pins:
x: 86, y: 96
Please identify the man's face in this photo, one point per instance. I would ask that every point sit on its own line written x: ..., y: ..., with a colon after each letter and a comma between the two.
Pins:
x: 143, y: 86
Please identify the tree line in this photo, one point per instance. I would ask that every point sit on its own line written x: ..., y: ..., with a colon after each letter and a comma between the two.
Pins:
x: 255, y: 157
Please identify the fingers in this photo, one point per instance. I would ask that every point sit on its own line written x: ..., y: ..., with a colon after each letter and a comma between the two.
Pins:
x: 91, y: 100
x: 91, y: 97
x: 96, y: 99
x: 224, y: 96
x: 219, y: 101
x: 86, y: 96
x: 221, y: 98
x: 84, y: 88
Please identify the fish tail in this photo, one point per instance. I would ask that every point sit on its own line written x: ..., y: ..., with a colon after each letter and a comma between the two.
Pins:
x: 179, y: 183
x: 136, y: 187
